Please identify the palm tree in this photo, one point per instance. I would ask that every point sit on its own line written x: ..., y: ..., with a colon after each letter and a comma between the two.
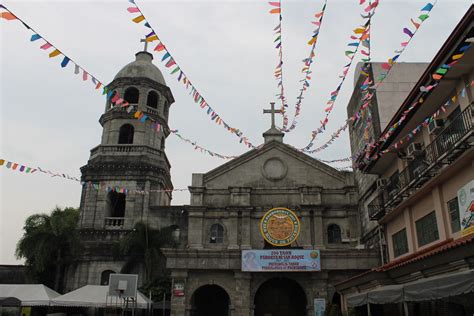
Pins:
x: 143, y: 246
x: 49, y: 243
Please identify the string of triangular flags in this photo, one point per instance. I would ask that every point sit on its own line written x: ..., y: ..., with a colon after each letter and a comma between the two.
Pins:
x: 175, y: 69
x: 437, y: 76
x: 359, y: 36
x: 28, y: 169
x: 16, y: 166
x: 408, y: 138
x: 369, y: 90
x: 115, y: 98
x: 278, y: 73
x: 306, y: 70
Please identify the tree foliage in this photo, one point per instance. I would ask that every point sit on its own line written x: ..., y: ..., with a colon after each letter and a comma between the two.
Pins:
x: 49, y: 243
x: 143, y: 246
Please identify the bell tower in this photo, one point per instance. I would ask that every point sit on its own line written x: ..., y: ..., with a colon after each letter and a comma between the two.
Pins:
x: 128, y: 173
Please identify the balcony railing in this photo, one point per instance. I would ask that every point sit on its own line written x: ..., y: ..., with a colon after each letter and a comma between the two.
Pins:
x: 114, y: 222
x: 119, y: 149
x: 451, y: 142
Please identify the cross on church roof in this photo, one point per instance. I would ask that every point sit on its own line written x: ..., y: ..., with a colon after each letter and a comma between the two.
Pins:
x: 146, y: 44
x: 272, y: 111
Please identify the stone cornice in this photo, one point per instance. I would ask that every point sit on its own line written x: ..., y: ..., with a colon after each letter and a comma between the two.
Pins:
x: 222, y: 169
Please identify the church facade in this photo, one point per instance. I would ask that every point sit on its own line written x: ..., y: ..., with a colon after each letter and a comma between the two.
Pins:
x: 223, y: 221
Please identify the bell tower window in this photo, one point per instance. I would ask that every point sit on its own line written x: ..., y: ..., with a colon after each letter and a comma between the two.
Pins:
x: 126, y: 134
x: 131, y: 95
x: 152, y: 100
x: 116, y: 204
x: 162, y: 144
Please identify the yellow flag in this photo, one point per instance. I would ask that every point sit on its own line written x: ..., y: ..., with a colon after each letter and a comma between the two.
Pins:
x: 312, y: 40
x: 359, y: 30
x: 152, y: 38
x: 54, y: 53
x: 138, y: 19
x: 456, y: 57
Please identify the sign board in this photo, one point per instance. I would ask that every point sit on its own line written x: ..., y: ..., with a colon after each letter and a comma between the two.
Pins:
x: 280, y: 226
x: 466, y: 208
x: 289, y: 260
x: 178, y: 288
x: 123, y: 285
x: 319, y: 306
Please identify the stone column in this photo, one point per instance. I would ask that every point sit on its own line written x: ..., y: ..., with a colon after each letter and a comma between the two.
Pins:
x: 232, y: 230
x: 195, y: 222
x: 319, y: 229
x: 178, y: 303
x: 245, y: 229
x: 243, y: 301
x: 305, y: 230
x: 318, y: 289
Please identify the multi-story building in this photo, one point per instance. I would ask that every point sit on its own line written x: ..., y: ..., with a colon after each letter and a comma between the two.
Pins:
x: 424, y: 161
x: 384, y: 103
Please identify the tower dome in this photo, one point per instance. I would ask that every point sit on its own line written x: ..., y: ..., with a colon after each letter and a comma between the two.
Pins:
x: 142, y: 67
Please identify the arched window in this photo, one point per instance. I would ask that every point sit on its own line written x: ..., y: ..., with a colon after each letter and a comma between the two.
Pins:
x: 162, y: 144
x: 104, y: 277
x: 116, y: 204
x: 126, y: 134
x: 131, y: 95
x: 217, y: 234
x: 334, y: 234
x: 152, y: 100
x: 165, y: 109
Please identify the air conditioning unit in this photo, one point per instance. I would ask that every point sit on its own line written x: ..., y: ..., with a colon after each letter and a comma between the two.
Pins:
x: 381, y: 183
x: 414, y: 149
x: 435, y: 126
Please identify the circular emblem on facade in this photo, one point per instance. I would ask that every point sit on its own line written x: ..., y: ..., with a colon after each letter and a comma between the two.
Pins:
x: 274, y: 169
x: 280, y: 226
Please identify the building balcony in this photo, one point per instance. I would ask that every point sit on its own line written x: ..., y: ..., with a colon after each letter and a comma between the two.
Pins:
x: 114, y: 223
x: 376, y: 208
x: 448, y: 145
x: 124, y: 149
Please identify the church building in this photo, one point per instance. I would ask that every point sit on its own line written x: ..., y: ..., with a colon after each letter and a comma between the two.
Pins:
x: 268, y: 233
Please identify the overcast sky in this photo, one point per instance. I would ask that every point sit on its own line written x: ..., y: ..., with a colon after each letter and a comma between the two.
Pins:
x: 49, y: 116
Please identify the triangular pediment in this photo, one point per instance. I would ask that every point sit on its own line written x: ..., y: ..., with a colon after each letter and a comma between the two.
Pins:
x: 275, y: 164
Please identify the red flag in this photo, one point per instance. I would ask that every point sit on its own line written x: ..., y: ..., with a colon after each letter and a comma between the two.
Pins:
x: 8, y: 16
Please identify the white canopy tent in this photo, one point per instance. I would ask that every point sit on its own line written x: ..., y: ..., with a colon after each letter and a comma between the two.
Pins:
x: 94, y: 296
x: 29, y: 294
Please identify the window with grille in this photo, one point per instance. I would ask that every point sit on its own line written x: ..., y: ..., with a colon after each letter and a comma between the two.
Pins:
x: 334, y: 234
x: 453, y: 209
x: 427, y: 229
x: 217, y: 234
x: 400, y: 243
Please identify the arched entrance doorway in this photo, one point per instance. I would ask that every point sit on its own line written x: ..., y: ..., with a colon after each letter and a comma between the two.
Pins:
x: 210, y: 300
x: 280, y: 297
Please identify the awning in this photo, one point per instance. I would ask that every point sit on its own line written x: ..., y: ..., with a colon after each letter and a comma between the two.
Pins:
x: 432, y: 288
x: 441, y: 286
x: 29, y: 294
x: 94, y: 296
